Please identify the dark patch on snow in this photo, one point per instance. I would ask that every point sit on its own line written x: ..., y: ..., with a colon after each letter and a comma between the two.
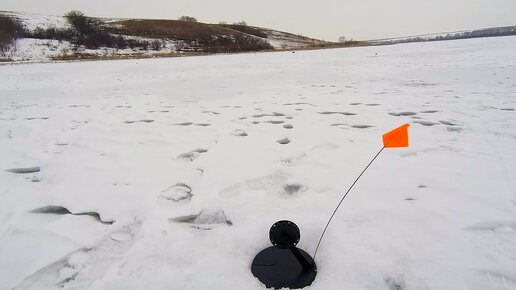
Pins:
x: 275, y: 122
x: 288, y: 126
x: 426, y: 123
x: 140, y: 121
x: 454, y: 129
x: 184, y: 124
x: 294, y: 188
x: 37, y: 118
x: 211, y: 112
x: 361, y: 126
x: 24, y: 170
x: 294, y: 104
x: 339, y: 113
x: 429, y: 111
x: 402, y: 114
x: 274, y: 114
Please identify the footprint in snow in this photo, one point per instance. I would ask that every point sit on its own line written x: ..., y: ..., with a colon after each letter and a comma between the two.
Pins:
x: 192, y: 155
x: 82, y: 267
x: 204, y: 220
x: 178, y: 192
x: 283, y: 141
x: 239, y: 132
x: 426, y: 123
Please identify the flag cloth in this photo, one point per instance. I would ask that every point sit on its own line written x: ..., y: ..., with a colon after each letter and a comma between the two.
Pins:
x: 397, y: 137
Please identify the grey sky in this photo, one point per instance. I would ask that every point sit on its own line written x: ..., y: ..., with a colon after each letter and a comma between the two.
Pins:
x: 325, y: 19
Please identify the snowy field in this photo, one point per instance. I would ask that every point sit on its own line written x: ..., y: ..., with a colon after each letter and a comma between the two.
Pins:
x: 168, y: 173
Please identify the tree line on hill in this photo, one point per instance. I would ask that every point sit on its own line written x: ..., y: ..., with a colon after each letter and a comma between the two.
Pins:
x: 486, y: 32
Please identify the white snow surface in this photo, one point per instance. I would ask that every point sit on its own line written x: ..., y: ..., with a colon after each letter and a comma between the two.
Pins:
x: 182, y: 155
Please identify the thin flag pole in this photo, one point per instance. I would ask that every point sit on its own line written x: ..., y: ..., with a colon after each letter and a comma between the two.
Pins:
x: 346, y: 194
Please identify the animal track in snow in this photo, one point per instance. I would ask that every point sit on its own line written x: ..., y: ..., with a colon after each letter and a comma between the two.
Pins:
x: 429, y: 111
x: 184, y: 124
x: 60, y: 210
x: 178, y: 192
x: 202, y: 124
x: 275, y: 122
x: 192, y: 155
x: 288, y: 126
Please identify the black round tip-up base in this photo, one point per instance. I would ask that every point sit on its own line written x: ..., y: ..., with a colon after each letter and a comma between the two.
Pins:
x: 277, y: 268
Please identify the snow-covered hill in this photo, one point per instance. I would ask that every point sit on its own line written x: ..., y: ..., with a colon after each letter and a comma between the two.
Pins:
x: 175, y: 38
x: 167, y: 174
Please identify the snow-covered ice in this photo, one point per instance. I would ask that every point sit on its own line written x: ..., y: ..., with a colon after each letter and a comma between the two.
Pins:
x: 193, y: 161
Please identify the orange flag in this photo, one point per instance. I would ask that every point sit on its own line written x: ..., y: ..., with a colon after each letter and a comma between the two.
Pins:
x: 397, y: 137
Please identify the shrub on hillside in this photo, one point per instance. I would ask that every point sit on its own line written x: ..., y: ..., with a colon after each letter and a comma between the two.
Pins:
x: 187, y: 18
x: 88, y: 32
x: 238, y: 43
x: 10, y: 30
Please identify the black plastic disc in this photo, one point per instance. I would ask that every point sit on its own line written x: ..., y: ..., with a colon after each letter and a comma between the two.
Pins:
x: 284, y: 234
x: 278, y: 268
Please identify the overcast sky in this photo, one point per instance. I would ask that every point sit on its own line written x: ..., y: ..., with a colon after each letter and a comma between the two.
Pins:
x: 324, y: 19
